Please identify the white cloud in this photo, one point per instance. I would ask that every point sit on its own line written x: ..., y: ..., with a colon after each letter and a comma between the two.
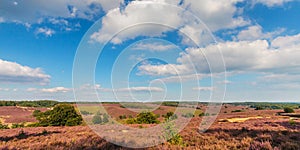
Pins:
x: 134, y: 14
x: 46, y: 31
x: 203, y: 88
x: 248, y: 56
x: 12, y: 72
x: 56, y: 90
x: 183, y: 78
x: 255, y: 32
x: 271, y: 3
x: 30, y: 11
x: 153, y: 47
x: 216, y: 14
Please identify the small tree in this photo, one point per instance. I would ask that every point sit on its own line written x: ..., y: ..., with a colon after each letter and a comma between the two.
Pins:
x: 288, y: 110
x: 61, y: 115
x: 97, y: 119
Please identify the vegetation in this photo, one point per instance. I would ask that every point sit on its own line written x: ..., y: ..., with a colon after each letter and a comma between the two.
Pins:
x: 61, y: 115
x: 2, y: 126
x: 171, y: 134
x: 188, y: 115
x: 41, y: 103
x: 288, y: 110
x: 173, y: 104
x: 170, y: 116
x: 17, y: 125
x: 83, y: 112
x: 238, y: 110
x: 97, y: 119
x: 143, y: 118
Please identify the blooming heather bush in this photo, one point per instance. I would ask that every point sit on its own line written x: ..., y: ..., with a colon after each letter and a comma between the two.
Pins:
x: 260, y: 146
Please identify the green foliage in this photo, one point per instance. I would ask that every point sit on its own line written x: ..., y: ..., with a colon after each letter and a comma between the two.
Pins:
x: 201, y: 114
x: 143, y: 118
x: 188, y: 115
x: 61, y: 115
x: 83, y: 112
x: 122, y: 117
x: 146, y: 118
x: 100, y: 118
x: 292, y: 122
x: 3, y: 126
x: 170, y: 116
x: 173, y: 104
x: 41, y: 103
x: 171, y: 134
x: 238, y: 110
x: 16, y: 125
x: 97, y: 119
x: 288, y: 110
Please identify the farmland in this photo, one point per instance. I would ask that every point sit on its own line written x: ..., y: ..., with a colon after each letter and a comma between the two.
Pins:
x: 236, y: 127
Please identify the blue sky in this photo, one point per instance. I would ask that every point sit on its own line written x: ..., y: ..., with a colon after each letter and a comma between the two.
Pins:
x: 150, y: 50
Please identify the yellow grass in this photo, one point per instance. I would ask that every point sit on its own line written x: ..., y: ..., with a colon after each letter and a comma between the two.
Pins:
x: 236, y: 120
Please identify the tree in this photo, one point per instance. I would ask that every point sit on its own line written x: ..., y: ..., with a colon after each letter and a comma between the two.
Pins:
x: 61, y: 115
x: 97, y: 119
x: 288, y: 110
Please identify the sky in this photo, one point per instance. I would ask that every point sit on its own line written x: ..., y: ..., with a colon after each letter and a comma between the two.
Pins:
x: 150, y: 50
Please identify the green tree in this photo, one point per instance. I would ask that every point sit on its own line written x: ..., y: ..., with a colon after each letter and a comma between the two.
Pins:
x: 97, y: 119
x: 288, y: 110
x: 61, y: 115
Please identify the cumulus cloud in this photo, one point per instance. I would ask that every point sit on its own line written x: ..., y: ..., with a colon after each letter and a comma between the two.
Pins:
x: 255, y: 32
x: 136, y: 13
x: 12, y: 72
x: 215, y: 14
x: 256, y: 55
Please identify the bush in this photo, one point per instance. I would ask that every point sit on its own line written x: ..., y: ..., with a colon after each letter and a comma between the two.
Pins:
x: 238, y: 110
x: 188, y: 115
x: 170, y: 116
x: 97, y: 119
x: 292, y: 122
x: 83, y: 112
x: 122, y: 117
x: 2, y: 126
x: 16, y: 125
x: 61, y: 115
x: 288, y: 110
x: 147, y: 118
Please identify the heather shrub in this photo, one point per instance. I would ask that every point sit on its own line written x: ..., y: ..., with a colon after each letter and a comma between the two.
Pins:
x: 261, y: 146
x: 170, y: 116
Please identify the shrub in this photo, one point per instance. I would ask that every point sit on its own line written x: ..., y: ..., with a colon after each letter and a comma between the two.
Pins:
x: 147, y: 118
x: 61, y: 115
x: 292, y: 122
x: 105, y: 118
x: 188, y: 115
x: 171, y: 134
x: 85, y: 112
x: 2, y: 126
x: 122, y: 117
x: 201, y: 114
x: 170, y: 116
x: 238, y: 110
x: 97, y: 119
x: 288, y: 110
x: 16, y: 125
x: 131, y: 121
